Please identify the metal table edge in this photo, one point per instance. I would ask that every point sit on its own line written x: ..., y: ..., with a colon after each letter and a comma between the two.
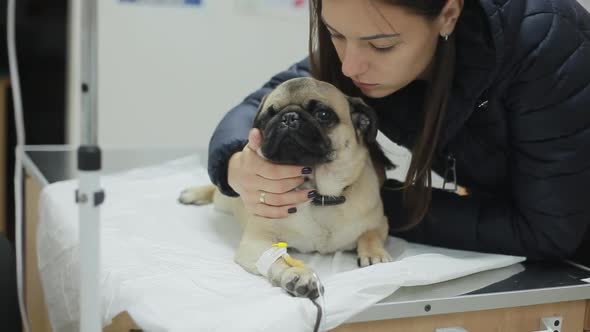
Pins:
x: 33, y: 170
x: 467, y: 303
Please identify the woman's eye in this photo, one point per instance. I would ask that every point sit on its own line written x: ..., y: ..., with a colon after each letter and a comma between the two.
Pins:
x: 382, y: 49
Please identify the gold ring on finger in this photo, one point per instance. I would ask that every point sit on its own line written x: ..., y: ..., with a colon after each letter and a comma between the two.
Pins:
x: 262, y: 197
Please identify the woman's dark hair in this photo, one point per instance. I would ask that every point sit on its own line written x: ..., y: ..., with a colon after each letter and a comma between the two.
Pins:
x: 326, y: 66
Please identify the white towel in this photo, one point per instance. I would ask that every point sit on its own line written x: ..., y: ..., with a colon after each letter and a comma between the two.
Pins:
x: 171, y: 266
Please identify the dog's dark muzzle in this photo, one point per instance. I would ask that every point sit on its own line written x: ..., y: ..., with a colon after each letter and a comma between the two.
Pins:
x: 294, y: 137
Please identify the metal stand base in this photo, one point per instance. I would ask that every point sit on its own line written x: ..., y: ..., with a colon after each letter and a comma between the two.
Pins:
x: 89, y: 196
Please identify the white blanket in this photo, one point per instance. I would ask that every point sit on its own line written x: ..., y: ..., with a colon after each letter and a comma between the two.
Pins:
x: 171, y: 266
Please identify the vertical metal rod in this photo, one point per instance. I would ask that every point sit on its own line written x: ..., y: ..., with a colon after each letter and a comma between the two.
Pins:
x: 89, y: 216
x: 89, y: 196
x: 89, y: 72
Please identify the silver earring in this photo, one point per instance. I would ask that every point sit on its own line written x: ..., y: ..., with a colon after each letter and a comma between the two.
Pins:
x: 445, y: 37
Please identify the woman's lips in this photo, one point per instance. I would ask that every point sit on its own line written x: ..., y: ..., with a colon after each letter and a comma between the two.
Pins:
x: 365, y: 86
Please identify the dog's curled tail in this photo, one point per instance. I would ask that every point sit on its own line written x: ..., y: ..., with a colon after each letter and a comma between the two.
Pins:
x: 200, y: 195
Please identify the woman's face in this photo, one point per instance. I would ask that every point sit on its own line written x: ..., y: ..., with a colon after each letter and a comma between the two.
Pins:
x: 382, y: 47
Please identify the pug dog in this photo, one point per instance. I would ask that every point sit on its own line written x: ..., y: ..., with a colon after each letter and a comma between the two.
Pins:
x: 304, y: 121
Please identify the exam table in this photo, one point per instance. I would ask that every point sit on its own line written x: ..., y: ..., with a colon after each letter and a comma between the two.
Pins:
x: 526, y: 297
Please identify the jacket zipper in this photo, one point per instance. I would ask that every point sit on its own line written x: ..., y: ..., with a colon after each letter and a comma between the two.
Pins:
x: 451, y: 162
x: 450, y: 168
x: 482, y: 104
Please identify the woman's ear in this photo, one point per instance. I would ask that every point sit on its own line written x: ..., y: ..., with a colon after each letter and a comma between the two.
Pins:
x: 449, y: 16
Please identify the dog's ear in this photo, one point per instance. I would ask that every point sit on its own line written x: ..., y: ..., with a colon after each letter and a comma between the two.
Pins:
x: 364, y: 119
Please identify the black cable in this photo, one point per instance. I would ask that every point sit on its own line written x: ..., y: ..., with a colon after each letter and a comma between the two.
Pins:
x: 318, y: 318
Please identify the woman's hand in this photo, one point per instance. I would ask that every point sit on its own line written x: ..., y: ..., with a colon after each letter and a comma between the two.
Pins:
x: 266, y: 188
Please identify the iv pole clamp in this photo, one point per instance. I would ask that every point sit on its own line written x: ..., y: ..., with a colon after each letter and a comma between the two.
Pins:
x: 89, y: 195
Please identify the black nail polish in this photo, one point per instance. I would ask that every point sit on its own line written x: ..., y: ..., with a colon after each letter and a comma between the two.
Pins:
x: 312, y: 194
x: 292, y: 210
x: 306, y: 170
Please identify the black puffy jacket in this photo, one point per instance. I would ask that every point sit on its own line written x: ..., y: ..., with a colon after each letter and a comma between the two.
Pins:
x: 517, y: 130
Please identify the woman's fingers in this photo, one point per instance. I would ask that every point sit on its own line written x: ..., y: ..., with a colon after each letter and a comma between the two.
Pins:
x: 267, y: 189
x: 254, y: 139
x: 273, y: 212
x: 278, y: 186
x: 291, y: 198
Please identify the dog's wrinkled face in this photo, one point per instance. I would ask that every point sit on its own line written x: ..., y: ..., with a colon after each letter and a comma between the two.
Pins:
x: 308, y: 122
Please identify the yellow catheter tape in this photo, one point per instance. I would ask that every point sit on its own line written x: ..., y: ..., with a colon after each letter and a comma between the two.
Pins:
x: 288, y: 259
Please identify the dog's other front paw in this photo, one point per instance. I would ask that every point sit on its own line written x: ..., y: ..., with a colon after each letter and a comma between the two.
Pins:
x: 197, y: 195
x: 301, y: 282
x: 373, y: 257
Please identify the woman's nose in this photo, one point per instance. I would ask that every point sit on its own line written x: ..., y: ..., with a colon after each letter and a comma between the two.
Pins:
x: 354, y: 63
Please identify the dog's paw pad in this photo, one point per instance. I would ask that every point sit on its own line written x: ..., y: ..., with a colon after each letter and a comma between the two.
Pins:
x: 372, y: 258
x: 301, y: 282
x: 290, y: 286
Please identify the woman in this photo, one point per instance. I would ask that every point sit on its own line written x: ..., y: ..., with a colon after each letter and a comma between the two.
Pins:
x: 492, y: 94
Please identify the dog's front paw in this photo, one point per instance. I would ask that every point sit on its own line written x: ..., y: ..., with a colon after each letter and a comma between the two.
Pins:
x: 197, y: 195
x: 301, y: 282
x: 373, y: 257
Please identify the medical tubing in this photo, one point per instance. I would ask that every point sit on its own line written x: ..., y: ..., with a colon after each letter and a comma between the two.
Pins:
x: 320, y: 323
x: 319, y: 315
x: 18, y: 165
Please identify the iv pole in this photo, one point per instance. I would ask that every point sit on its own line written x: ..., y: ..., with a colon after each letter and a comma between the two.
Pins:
x: 89, y: 195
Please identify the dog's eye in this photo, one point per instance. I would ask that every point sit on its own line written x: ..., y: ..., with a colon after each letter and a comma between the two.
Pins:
x: 271, y: 111
x: 323, y: 116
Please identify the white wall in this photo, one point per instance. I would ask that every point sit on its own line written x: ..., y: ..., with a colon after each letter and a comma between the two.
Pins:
x: 168, y: 74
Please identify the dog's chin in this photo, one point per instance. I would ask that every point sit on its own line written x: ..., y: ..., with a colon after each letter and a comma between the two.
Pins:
x: 295, y: 148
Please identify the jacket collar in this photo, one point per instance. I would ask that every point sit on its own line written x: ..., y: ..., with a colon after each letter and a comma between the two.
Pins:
x: 478, y: 52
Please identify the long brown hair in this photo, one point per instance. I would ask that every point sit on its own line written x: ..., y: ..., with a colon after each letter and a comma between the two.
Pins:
x: 326, y: 66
